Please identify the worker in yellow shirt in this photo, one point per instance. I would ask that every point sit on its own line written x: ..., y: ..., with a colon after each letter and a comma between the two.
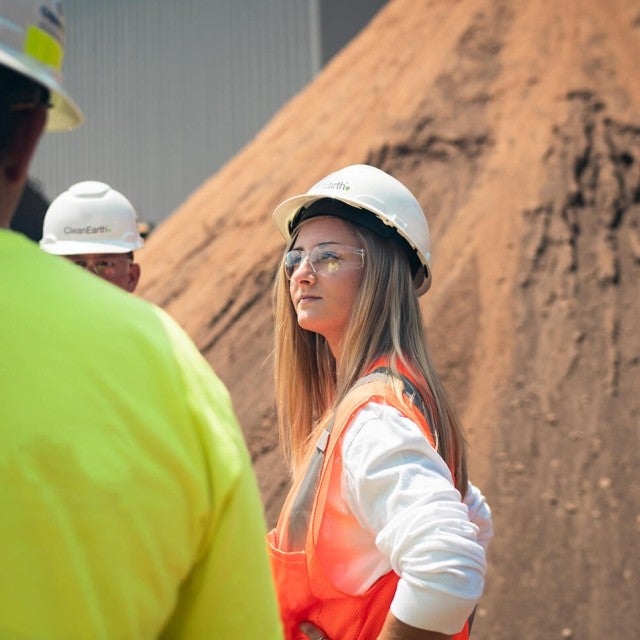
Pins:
x: 129, y: 505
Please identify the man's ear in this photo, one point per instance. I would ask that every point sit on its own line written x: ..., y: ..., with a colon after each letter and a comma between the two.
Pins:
x: 24, y: 137
x: 134, y: 276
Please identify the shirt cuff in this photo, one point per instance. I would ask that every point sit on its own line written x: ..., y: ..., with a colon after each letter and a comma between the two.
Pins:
x: 431, y: 609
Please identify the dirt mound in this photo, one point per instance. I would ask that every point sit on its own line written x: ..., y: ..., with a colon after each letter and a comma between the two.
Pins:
x: 517, y: 125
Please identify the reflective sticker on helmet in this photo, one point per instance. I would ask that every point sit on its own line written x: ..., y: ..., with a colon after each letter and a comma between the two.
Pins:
x: 44, y: 48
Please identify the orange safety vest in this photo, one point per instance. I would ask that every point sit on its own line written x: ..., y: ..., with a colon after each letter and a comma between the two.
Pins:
x: 304, y: 590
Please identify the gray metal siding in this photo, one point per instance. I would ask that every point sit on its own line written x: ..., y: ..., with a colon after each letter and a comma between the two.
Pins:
x: 171, y: 90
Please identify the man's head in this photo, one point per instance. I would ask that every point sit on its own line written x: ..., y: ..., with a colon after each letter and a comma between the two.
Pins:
x: 22, y: 120
x: 96, y: 227
x: 31, y: 52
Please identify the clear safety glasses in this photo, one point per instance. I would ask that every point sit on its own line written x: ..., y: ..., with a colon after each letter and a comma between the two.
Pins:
x: 28, y: 100
x: 325, y: 258
x: 105, y: 267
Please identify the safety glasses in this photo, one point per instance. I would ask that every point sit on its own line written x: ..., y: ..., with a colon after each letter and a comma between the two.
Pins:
x: 28, y: 100
x: 104, y: 267
x: 328, y: 257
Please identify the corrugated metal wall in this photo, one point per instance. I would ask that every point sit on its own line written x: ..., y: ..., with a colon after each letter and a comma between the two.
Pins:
x: 171, y: 90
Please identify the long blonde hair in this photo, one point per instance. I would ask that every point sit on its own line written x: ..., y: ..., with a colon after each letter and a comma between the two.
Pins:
x: 386, y: 321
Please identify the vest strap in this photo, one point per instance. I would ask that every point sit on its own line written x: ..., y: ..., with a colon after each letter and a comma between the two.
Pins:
x: 380, y: 384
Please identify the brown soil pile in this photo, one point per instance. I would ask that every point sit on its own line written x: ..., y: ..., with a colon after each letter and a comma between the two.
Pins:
x: 517, y: 125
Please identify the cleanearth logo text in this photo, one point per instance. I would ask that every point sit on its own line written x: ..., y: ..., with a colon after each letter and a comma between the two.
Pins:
x: 88, y: 230
x: 338, y: 186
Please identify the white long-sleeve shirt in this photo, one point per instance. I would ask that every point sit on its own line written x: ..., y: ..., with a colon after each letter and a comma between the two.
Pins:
x: 412, y: 520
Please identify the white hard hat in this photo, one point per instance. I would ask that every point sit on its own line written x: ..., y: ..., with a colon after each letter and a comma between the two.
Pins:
x: 90, y: 217
x: 368, y: 189
x: 32, y: 44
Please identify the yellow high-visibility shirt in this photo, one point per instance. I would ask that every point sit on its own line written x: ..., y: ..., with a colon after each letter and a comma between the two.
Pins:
x: 128, y: 505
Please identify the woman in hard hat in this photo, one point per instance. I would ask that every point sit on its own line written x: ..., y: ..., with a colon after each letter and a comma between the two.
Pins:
x: 374, y: 539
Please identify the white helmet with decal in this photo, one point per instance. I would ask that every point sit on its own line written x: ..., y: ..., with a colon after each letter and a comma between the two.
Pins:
x: 368, y: 189
x: 90, y: 217
x: 32, y: 44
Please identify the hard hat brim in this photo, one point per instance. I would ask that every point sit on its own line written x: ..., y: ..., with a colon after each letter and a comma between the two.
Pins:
x: 64, y: 113
x: 72, y: 247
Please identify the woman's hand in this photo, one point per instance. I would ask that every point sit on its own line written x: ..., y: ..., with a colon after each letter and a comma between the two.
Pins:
x: 312, y: 632
x: 393, y: 630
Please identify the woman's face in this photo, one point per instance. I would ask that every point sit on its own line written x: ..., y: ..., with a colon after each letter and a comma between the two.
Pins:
x: 326, y: 268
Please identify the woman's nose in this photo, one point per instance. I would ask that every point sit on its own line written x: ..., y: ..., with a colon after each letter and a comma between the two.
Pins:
x: 303, y: 271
